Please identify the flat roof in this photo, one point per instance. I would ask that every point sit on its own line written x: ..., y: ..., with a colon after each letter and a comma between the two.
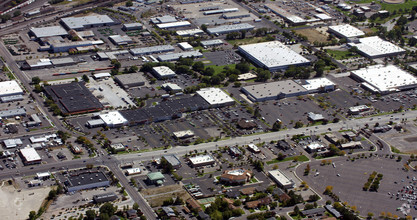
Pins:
x: 101, y: 75
x: 133, y: 170
x: 12, y: 113
x: 375, y: 47
x: 48, y: 31
x: 163, y: 19
x: 176, y: 56
x: 285, y: 14
x: 201, y: 159
x: 213, y: 42
x: 172, y: 159
x: 222, y: 29
x: 163, y: 71
x: 246, y: 76
x: 280, y: 177
x: 346, y: 30
x: 131, y: 79
x: 385, y: 78
x: 86, y: 179
x: 173, y: 24
x: 113, y: 118
x: 119, y: 39
x: 155, y: 176
x: 8, y: 88
x: 150, y: 50
x: 215, y: 96
x: 30, y: 154
x: 81, y: 22
x: 73, y: 98
x: 189, y: 32
x: 63, y: 61
x: 323, y: 16
x: 273, y: 89
x: 272, y: 55
x: 132, y: 25
x: 185, y: 46
x: 171, y: 86
x: 317, y: 83
x: 185, y: 133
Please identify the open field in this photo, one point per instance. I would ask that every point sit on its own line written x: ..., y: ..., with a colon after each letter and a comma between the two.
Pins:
x: 17, y: 205
x: 313, y: 35
x: 340, y: 54
x: 156, y: 196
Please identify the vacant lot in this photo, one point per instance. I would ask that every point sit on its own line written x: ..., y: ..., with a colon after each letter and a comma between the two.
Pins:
x: 313, y: 35
x: 17, y: 205
x: 156, y: 196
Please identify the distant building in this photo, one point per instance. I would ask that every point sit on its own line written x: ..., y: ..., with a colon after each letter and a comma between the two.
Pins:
x: 234, y: 151
x: 47, y: 31
x: 315, y: 147
x: 133, y: 171
x: 120, y: 40
x: 346, y: 31
x: 374, y: 47
x: 88, y: 180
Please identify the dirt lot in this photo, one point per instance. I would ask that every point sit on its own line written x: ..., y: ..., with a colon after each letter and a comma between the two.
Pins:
x: 17, y: 205
x: 313, y: 35
x: 405, y: 142
x: 156, y: 196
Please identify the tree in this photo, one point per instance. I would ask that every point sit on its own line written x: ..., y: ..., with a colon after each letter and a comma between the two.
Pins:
x: 298, y: 124
x: 307, y: 170
x: 237, y: 202
x: 90, y: 214
x: 133, y: 69
x: 32, y: 215
x: 257, y: 113
x: 198, y: 66
x: 328, y: 189
x: 277, y: 126
x: 17, y: 13
x: 129, y: 3
x: 243, y: 67
x: 85, y: 78
x: 36, y: 80
x: 296, y: 210
x: 204, y: 27
x: 107, y: 208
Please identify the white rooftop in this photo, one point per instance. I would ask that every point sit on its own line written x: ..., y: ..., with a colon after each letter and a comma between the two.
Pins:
x: 246, y: 76
x: 280, y: 177
x: 113, y: 118
x: 385, y: 78
x: 189, y: 32
x: 163, y: 71
x: 317, y: 83
x: 323, y: 16
x: 201, y: 159
x: 48, y: 31
x: 185, y: 46
x: 315, y: 146
x: 215, y: 96
x: 347, y: 30
x: 376, y: 47
x: 10, y: 88
x: 273, y: 54
x: 80, y: 22
x: 30, y: 154
x: 133, y: 170
x: 173, y: 24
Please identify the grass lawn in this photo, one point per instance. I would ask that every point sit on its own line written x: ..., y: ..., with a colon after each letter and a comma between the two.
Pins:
x: 219, y: 69
x: 341, y: 55
x: 301, y: 158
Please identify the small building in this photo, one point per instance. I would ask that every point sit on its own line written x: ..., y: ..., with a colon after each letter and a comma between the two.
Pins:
x: 183, y: 134
x: 185, y: 46
x: 332, y: 138
x: 315, y: 147
x: 12, y: 143
x: 9, y: 88
x: 113, y: 119
x: 133, y: 171
x: 315, y: 117
x: 156, y: 178
x: 355, y: 110
x: 106, y: 197
x: 131, y: 80
x: 120, y: 40
x: 30, y: 156
x: 43, y: 176
x: 248, y: 191
x: 118, y: 147
x: 211, y: 43
x: 258, y: 203
x: 189, y: 32
x: 234, y: 151
x: 95, y: 123
x: 283, y: 145
x: 254, y: 148
x: 171, y: 87
x: 132, y: 26
x: 225, y: 29
x: 281, y: 179
x: 34, y: 183
x: 76, y: 149
x: 333, y: 211
x: 215, y: 97
x: 351, y: 145
x: 173, y: 161
x: 346, y: 31
x: 313, y: 212
x: 201, y: 160
x: 176, y: 24
x: 176, y: 56
x: 374, y: 47
x: 50, y: 31
x: 80, y: 23
x: 151, y: 50
x: 99, y: 76
x: 246, y: 124
x: 163, y: 72
x: 236, y: 176
x: 87, y: 180
x: 169, y: 211
x: 246, y: 76
x: 12, y: 113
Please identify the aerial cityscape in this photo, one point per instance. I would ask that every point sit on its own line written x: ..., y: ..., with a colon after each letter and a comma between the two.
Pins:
x: 208, y: 109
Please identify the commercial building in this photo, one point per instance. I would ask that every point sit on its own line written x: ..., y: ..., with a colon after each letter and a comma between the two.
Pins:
x: 236, y: 176
x: 246, y: 76
x: 87, y: 180
x: 151, y: 50
x: 254, y: 148
x: 12, y: 143
x: 189, y: 32
x: 236, y: 15
x: 12, y: 113
x: 175, y: 56
x: 65, y: 47
x: 274, y: 90
x: 176, y: 24
x: 163, y: 72
x: 272, y: 55
x: 50, y: 31
x: 315, y: 117
x: 281, y: 179
x: 10, y: 88
x: 132, y: 26
x: 113, y: 119
x: 211, y: 43
x: 384, y: 79
x: 80, y: 23
x: 346, y: 31
x: 317, y: 85
x: 95, y: 123
x: 183, y: 134
x: 355, y: 110
x: 118, y: 147
x: 201, y: 160
x: 375, y: 47
x: 163, y: 19
x: 287, y: 16
x: 323, y: 17
x: 173, y: 161
x: 107, y: 197
x: 171, y: 87
x: 215, y: 97
x: 11, y: 98
x: 133, y: 171
x: 43, y: 176
x: 131, y: 80
x: 63, y: 61
x: 315, y: 147
x: 73, y: 98
x: 99, y: 76
x: 225, y: 29
x: 156, y: 178
x: 185, y: 46
x: 30, y: 156
x: 36, y: 64
x: 220, y: 11
x: 120, y: 40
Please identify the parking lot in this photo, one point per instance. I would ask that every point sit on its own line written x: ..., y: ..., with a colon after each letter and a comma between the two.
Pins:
x: 348, y: 178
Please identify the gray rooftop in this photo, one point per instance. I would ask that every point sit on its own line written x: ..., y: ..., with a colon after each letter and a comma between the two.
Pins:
x: 173, y: 160
x: 86, y: 178
x: 48, y: 31
x: 150, y: 50
x: 12, y: 113
x: 80, y: 22
x: 176, y: 56
x: 273, y: 89
x: 229, y: 28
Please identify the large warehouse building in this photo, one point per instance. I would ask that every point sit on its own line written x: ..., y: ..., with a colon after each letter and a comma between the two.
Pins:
x: 375, y: 47
x: 50, y: 31
x: 346, y: 31
x: 151, y: 50
x: 79, y: 23
x: 272, y: 55
x: 130, y: 80
x: 225, y: 29
x: 73, y: 98
x: 88, y: 180
x: 274, y: 90
x: 176, y: 56
x: 384, y: 79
